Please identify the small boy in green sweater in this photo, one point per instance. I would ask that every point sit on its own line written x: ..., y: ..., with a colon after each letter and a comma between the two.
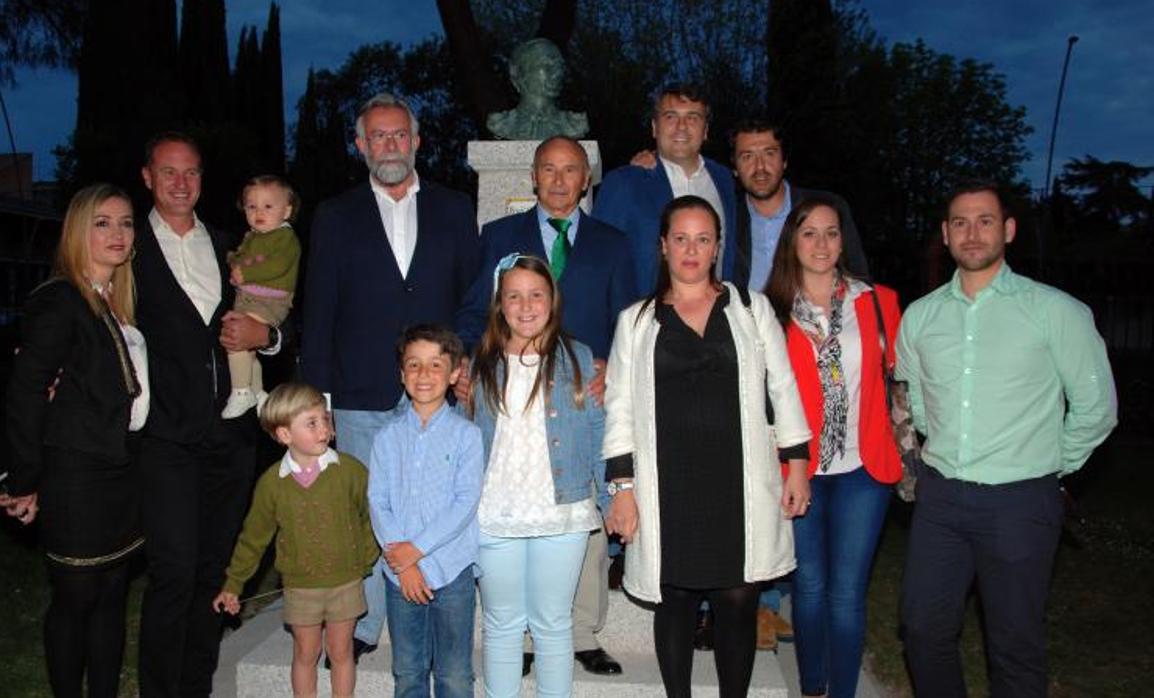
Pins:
x: 314, y: 500
x: 264, y: 271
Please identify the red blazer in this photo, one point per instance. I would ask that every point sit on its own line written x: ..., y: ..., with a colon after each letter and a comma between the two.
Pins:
x: 876, y: 445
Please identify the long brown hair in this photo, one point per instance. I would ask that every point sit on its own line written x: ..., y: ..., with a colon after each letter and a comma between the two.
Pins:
x: 785, y: 276
x: 73, y: 255
x: 491, y: 349
x: 664, y: 280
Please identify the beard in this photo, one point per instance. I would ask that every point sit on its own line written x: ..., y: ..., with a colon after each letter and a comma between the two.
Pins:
x: 980, y: 260
x: 391, y: 169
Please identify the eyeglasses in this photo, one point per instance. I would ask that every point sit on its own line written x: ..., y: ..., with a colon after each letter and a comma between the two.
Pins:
x: 377, y: 137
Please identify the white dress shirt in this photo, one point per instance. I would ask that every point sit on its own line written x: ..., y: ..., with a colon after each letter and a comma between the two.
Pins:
x: 699, y: 184
x: 400, y: 221
x: 192, y: 260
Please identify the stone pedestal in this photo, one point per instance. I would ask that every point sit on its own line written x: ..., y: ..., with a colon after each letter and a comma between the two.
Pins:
x: 504, y: 184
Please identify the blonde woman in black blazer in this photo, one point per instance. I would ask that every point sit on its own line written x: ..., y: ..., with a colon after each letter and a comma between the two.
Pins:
x: 73, y: 397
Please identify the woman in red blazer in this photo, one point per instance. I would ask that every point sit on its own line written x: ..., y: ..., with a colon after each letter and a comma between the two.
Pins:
x: 831, y: 324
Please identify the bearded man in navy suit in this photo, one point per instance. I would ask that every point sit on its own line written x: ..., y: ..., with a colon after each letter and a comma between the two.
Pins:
x: 395, y: 250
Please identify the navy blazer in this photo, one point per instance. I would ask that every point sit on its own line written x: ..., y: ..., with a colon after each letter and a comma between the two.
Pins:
x: 631, y: 199
x: 356, y: 302
x: 596, y: 285
x: 855, y: 259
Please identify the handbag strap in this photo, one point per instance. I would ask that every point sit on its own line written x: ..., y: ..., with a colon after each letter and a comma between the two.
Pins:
x: 886, y: 375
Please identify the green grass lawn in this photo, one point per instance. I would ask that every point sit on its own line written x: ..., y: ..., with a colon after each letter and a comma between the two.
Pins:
x: 1102, y: 600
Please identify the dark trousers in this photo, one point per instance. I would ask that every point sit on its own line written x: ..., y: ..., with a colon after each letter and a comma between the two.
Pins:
x: 84, y: 629
x: 194, y: 499
x: 1006, y: 537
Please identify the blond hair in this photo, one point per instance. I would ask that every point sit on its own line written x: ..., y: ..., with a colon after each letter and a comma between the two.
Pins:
x: 73, y: 254
x: 287, y: 401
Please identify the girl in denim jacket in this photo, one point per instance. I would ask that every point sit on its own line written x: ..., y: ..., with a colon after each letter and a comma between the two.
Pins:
x: 542, y: 438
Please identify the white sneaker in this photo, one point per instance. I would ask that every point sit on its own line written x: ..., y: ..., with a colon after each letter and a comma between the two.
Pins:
x: 240, y: 401
x: 261, y: 397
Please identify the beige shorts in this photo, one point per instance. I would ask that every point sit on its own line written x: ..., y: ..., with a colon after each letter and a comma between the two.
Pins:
x: 327, y: 605
x: 270, y: 311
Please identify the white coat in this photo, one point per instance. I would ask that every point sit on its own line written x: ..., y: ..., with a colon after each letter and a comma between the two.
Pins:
x: 631, y: 428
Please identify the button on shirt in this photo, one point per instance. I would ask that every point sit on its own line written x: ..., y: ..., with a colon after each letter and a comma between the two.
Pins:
x: 193, y: 262
x: 424, y: 484
x: 1012, y: 385
x: 764, y: 233
x: 549, y: 233
x: 699, y: 184
x: 399, y: 217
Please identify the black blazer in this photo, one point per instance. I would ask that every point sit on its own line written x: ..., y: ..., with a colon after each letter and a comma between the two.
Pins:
x: 855, y: 259
x: 90, y: 411
x: 188, y: 368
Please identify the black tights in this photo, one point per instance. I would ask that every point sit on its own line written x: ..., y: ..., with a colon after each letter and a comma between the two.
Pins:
x: 734, y: 637
x: 84, y: 630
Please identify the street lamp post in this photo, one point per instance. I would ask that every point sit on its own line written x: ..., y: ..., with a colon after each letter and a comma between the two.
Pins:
x: 1057, y: 110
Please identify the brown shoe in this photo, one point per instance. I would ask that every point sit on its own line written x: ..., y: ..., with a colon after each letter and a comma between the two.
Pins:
x: 766, y: 635
x: 781, y: 626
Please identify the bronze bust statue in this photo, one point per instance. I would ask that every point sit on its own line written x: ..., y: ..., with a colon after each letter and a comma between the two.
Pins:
x: 536, y: 69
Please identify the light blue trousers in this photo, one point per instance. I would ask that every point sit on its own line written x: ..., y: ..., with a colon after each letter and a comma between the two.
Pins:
x: 528, y: 583
x: 356, y: 430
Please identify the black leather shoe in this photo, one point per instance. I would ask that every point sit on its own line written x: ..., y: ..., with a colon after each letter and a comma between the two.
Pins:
x: 526, y: 663
x: 703, y: 634
x: 598, y: 661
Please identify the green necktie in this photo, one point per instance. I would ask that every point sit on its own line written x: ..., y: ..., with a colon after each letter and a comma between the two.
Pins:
x: 560, y: 252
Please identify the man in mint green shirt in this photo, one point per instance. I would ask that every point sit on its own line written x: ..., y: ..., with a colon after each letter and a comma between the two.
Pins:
x: 1010, y: 382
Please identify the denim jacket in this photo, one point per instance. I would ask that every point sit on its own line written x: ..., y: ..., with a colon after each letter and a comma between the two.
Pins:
x: 574, y: 433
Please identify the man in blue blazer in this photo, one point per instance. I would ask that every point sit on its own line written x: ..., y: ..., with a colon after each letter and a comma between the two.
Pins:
x: 631, y: 198
x: 595, y: 275
x: 597, y: 282
x: 393, y: 251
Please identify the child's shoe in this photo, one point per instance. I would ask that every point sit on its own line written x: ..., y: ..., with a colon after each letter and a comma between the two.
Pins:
x: 261, y: 397
x: 240, y: 401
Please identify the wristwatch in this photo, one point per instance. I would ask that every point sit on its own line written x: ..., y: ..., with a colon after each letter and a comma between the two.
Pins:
x: 614, y: 487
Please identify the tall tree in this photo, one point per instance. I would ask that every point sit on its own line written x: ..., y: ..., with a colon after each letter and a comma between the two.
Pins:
x: 40, y: 33
x: 272, y: 98
x: 203, y: 60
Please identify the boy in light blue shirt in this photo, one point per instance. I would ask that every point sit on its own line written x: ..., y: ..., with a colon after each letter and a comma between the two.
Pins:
x: 425, y: 478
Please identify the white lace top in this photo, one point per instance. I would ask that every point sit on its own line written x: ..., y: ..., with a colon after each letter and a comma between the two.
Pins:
x: 517, y: 499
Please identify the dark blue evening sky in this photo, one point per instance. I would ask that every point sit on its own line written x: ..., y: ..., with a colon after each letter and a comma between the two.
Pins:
x: 1108, y: 110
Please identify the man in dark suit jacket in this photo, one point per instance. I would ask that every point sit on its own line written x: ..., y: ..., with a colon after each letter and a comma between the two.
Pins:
x: 393, y: 251
x: 196, y: 468
x: 631, y: 198
x: 592, y: 263
x: 759, y: 162
x: 597, y: 282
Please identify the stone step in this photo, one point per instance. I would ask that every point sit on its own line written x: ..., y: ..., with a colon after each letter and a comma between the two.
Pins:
x: 628, y: 636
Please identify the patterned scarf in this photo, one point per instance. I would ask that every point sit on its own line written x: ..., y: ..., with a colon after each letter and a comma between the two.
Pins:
x: 835, y: 400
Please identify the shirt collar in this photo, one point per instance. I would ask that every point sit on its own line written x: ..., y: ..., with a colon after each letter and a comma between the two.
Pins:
x: 383, y: 195
x: 413, y: 420
x: 543, y: 216
x: 288, y: 466
x: 1005, y: 282
x: 159, y: 225
x: 672, y: 169
x: 786, y: 206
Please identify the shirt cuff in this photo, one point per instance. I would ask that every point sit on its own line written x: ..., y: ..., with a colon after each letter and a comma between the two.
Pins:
x: 797, y: 451
x: 619, y: 467
x: 274, y: 348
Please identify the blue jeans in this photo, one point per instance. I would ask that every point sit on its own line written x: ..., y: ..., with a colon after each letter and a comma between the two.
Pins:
x: 356, y: 430
x: 437, y: 635
x: 835, y: 543
x: 529, y: 583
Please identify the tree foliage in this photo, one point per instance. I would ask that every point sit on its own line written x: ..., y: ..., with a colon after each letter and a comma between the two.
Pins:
x: 36, y: 33
x: 1106, y: 193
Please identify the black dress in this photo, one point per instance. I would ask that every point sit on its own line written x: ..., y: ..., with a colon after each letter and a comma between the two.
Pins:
x: 699, y: 456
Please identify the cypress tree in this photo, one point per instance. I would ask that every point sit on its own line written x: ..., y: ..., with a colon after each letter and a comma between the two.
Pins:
x: 271, y: 100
